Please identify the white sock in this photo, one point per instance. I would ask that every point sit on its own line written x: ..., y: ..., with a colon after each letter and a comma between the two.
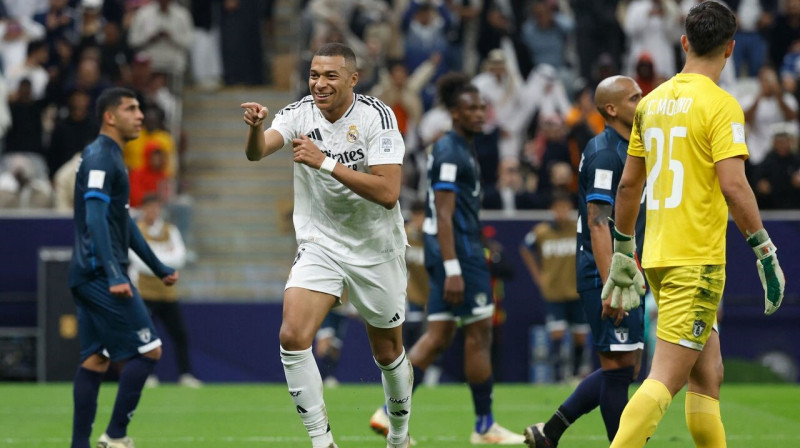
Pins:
x: 398, y: 380
x: 305, y: 387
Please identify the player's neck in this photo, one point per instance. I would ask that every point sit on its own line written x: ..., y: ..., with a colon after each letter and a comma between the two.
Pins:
x: 332, y: 115
x: 623, y: 130
x: 463, y: 133
x: 113, y: 135
x: 711, y: 68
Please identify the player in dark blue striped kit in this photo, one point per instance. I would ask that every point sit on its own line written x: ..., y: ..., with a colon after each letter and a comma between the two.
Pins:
x: 113, y: 322
x: 460, y: 289
x: 618, y: 341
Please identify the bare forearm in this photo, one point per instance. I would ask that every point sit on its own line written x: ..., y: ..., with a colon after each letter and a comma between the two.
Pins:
x: 530, y: 263
x: 627, y: 207
x: 376, y: 188
x: 255, y: 145
x: 601, y: 248
x: 445, y: 237
x: 744, y: 209
x: 789, y: 114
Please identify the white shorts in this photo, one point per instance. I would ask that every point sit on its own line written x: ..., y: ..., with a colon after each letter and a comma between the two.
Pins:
x: 378, y: 292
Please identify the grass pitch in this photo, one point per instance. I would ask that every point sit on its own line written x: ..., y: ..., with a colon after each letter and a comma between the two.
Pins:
x: 262, y: 415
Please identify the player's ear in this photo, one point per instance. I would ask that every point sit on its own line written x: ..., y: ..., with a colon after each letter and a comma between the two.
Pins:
x: 685, y: 43
x: 354, y: 78
x: 729, y: 48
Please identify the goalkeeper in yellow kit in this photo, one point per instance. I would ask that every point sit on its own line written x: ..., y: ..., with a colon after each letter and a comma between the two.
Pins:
x: 688, y: 144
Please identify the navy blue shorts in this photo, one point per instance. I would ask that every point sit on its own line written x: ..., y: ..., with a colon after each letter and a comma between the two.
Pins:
x: 563, y: 315
x: 628, y: 336
x: 478, y: 302
x: 118, y: 328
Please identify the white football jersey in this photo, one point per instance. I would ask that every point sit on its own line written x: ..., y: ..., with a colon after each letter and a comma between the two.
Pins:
x: 349, y: 227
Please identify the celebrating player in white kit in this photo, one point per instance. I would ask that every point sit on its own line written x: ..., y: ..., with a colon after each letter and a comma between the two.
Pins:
x: 348, y: 155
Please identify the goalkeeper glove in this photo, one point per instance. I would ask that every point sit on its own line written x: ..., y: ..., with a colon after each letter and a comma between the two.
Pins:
x: 769, y: 271
x: 625, y: 283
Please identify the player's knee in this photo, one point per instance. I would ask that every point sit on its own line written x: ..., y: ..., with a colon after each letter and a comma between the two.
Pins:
x: 154, y: 354
x: 293, y: 340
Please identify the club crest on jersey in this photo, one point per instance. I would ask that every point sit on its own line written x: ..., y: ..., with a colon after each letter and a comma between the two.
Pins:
x: 352, y: 134
x: 144, y: 335
x: 698, y: 328
x: 621, y: 334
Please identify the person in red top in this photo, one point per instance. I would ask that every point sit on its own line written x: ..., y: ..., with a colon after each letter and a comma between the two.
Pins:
x: 150, y: 178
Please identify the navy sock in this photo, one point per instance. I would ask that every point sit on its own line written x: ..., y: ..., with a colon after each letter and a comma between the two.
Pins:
x: 577, y: 358
x: 555, y: 359
x: 584, y: 398
x: 482, y: 401
x: 419, y: 375
x: 86, y: 386
x: 131, y: 382
x: 614, y: 397
x: 327, y: 365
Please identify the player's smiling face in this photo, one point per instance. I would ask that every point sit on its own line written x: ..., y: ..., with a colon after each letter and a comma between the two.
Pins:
x: 470, y: 113
x: 331, y: 84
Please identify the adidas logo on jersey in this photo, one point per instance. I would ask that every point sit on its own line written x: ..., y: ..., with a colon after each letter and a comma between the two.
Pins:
x: 395, y: 318
x: 315, y: 135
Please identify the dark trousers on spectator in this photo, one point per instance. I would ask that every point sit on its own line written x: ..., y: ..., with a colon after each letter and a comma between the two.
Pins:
x: 169, y: 313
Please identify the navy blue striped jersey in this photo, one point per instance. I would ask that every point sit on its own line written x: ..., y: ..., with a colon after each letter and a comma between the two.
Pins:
x: 101, y: 175
x: 452, y: 166
x: 598, y: 178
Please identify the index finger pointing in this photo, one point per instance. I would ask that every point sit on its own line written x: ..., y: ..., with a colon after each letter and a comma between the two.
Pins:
x: 255, y: 106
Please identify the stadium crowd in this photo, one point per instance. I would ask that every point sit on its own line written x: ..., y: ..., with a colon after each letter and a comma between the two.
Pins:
x: 536, y: 63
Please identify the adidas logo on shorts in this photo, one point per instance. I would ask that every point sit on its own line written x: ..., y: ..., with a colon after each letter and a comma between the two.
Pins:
x: 395, y: 318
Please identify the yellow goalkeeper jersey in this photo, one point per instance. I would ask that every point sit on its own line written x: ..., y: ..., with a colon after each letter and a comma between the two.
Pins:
x: 681, y: 129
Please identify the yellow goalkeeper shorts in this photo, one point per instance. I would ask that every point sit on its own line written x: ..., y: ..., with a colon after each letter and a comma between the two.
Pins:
x: 687, y: 299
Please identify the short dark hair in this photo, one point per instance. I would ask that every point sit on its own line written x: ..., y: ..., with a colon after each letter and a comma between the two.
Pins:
x: 338, y: 49
x: 709, y: 27
x: 35, y: 45
x: 151, y: 197
x: 561, y: 195
x: 451, y: 86
x: 110, y: 98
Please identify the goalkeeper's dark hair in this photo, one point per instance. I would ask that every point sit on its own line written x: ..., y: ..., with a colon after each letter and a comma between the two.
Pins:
x: 110, y: 99
x: 709, y: 27
x: 338, y: 49
x: 451, y: 86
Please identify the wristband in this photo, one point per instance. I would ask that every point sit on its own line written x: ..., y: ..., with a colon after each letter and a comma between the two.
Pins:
x: 452, y: 268
x: 327, y: 165
x: 761, y: 244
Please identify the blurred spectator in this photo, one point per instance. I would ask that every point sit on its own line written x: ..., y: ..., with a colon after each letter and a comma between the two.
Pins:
x: 790, y: 68
x: 26, y: 132
x: 777, y: 179
x: 761, y: 110
x: 598, y: 34
x: 546, y: 35
x: 152, y: 177
x: 549, y: 148
x: 465, y: 34
x: 543, y: 95
x: 64, y: 183
x: 402, y: 93
x: 785, y: 31
x: 23, y: 182
x: 15, y: 33
x: 162, y: 301
x: 162, y: 29
x: 88, y: 77
x: 60, y: 22
x: 499, y: 83
x: 503, y: 19
x: 5, y: 112
x: 25, y: 8
x: 653, y: 26
x: 583, y: 122
x: 645, y: 74
x: 153, y: 131
x: 115, y: 56
x: 72, y: 133
x: 753, y: 18
x: 32, y: 69
x: 242, y: 54
x: 426, y: 26
x: 513, y: 191
x: 206, y: 53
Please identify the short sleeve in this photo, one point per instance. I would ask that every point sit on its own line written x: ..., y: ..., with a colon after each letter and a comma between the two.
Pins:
x: 445, y: 167
x: 603, y: 171
x: 385, y: 144
x: 636, y: 145
x: 287, y: 119
x: 726, y: 130
x: 99, y: 174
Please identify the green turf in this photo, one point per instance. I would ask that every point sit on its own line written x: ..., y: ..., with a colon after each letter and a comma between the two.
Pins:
x: 219, y: 416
